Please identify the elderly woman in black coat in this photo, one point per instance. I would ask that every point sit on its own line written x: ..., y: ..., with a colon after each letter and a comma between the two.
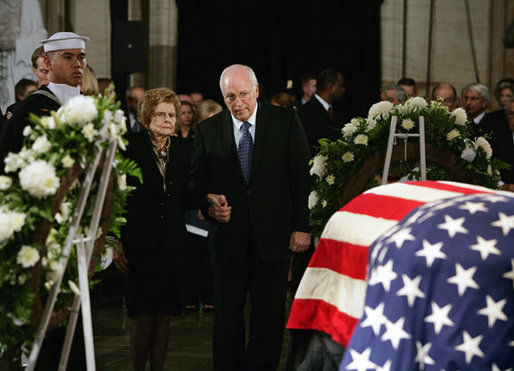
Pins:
x: 154, y: 236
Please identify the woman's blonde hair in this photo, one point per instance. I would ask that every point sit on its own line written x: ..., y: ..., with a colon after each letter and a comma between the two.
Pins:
x: 206, y: 109
x: 146, y: 106
x: 89, y: 84
x: 178, y: 125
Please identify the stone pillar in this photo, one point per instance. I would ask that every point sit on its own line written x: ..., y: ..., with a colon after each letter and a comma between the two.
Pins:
x: 53, y: 15
x: 162, y: 44
x: 135, y: 13
x: 92, y: 19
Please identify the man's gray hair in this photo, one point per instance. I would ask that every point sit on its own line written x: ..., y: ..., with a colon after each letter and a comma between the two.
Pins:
x: 477, y: 88
x: 400, y: 92
x: 248, y: 70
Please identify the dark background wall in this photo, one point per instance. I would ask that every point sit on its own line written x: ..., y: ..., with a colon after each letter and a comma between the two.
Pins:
x: 281, y: 40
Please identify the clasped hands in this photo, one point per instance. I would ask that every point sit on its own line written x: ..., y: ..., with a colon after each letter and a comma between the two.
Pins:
x: 220, y: 211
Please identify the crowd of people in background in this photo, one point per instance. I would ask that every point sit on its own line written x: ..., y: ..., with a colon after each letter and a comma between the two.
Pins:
x: 157, y: 115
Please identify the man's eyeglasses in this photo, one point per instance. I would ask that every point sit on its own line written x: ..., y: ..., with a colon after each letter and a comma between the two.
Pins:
x: 244, y: 95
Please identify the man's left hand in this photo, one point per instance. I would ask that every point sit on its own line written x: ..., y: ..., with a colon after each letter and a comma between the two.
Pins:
x: 299, y: 241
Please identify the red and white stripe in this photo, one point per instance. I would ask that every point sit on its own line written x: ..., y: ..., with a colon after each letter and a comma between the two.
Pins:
x: 331, y: 294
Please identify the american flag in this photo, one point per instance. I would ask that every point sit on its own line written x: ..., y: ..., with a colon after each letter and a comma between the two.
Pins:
x: 330, y: 297
x: 441, y: 290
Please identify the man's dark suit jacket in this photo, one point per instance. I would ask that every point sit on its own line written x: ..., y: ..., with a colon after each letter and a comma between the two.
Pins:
x: 317, y: 124
x: 503, y: 148
x: 487, y: 125
x: 275, y: 200
x: 17, y: 118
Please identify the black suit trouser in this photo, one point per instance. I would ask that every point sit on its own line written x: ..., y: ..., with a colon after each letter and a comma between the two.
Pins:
x: 266, y: 282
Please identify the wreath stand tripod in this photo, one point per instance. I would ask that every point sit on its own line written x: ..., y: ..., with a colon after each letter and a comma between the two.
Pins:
x: 422, y: 151
x: 84, y: 245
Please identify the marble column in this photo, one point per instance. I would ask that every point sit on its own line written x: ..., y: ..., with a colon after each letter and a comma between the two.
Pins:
x: 162, y: 44
x: 92, y: 19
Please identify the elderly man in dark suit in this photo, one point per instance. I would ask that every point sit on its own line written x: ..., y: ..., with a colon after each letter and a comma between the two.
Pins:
x: 250, y: 170
x: 317, y: 115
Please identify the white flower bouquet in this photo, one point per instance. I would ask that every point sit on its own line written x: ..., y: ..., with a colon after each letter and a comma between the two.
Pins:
x: 34, y: 222
x: 362, y: 138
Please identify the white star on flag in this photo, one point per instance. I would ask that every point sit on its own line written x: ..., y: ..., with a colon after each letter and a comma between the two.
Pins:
x: 431, y: 252
x: 360, y: 361
x: 493, y: 310
x: 422, y: 356
x: 383, y: 274
x: 485, y: 247
x: 411, y: 289
x: 463, y: 278
x: 439, y: 317
x: 400, y: 237
x: 395, y: 332
x: 473, y: 207
x: 453, y: 226
x: 510, y: 274
x: 506, y: 223
x: 385, y: 367
x: 374, y: 318
x: 470, y: 346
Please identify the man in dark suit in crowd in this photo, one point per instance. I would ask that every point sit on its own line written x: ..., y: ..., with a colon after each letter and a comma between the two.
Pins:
x: 66, y: 60
x: 250, y: 171
x: 132, y: 97
x: 317, y: 115
x: 475, y: 99
x: 503, y: 146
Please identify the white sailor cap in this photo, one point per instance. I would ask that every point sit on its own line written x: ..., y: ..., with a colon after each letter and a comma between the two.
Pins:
x: 64, y: 40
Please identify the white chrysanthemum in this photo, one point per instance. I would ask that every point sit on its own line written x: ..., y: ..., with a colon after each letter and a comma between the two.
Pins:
x: 407, y: 124
x: 64, y: 212
x: 74, y: 287
x: 48, y: 122
x: 381, y: 109
x: 319, y: 166
x: 27, y: 130
x: 313, y: 199
x: 348, y: 130
x: 402, y: 109
x: 27, y: 256
x: 348, y: 156
x: 89, y: 132
x: 371, y: 124
x: 324, y: 203
x: 122, y: 182
x: 13, y: 162
x: 67, y: 161
x: 6, y: 230
x: 27, y: 154
x: 17, y: 221
x: 330, y: 179
x: 452, y: 135
x: 108, y: 116
x: 39, y: 179
x: 460, y: 116
x: 481, y: 142
x: 119, y: 116
x: 42, y: 145
x: 416, y: 103
x: 361, y: 139
x: 78, y: 111
x: 5, y: 182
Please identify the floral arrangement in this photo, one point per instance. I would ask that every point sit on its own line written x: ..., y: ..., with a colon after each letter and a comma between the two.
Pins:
x: 338, y: 161
x: 54, y: 147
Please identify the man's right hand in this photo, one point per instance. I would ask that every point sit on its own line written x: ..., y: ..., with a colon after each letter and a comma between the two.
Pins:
x: 219, y: 209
